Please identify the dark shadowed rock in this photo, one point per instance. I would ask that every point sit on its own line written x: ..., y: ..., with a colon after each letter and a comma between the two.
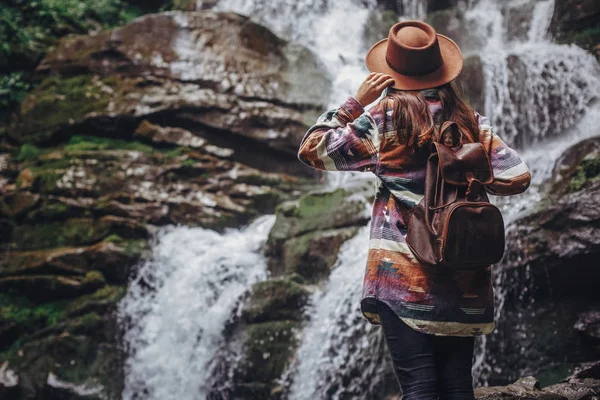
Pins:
x: 549, y: 277
x: 588, y: 323
x: 276, y: 299
x: 472, y: 82
x: 577, y: 21
x: 583, y: 384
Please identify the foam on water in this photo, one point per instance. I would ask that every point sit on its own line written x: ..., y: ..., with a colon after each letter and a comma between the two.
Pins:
x: 177, y: 307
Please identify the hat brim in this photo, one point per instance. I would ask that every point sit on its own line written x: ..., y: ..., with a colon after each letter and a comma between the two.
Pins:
x: 451, y: 66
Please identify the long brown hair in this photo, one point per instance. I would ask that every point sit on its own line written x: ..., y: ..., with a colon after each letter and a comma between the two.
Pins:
x: 416, y: 127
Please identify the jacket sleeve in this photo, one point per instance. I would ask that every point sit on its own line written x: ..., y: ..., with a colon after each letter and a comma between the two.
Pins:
x: 511, y: 174
x: 343, y: 139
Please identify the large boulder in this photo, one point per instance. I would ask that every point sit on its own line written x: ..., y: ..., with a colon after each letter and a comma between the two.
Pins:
x: 309, y: 231
x: 220, y: 75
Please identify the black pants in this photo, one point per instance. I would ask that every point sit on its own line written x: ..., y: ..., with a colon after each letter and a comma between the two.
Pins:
x: 428, y: 366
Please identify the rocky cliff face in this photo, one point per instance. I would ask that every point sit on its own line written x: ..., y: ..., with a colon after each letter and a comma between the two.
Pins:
x: 177, y: 118
x: 550, y: 307
x: 577, y: 21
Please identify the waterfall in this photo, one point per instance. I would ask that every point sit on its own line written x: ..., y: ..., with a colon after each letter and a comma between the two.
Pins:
x: 177, y: 308
x: 341, y: 355
x: 414, y: 9
x: 535, y: 89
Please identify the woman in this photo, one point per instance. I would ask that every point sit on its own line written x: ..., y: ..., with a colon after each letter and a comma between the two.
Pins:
x: 429, y: 316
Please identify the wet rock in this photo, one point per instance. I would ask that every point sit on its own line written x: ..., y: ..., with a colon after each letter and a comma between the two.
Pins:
x: 583, y: 384
x: 472, y: 82
x: 268, y: 350
x: 16, y: 204
x: 165, y: 135
x: 41, y: 288
x: 313, y: 254
x: 8, y: 383
x: 317, y: 211
x: 588, y: 323
x: 560, y: 244
x: 549, y: 276
x: 537, y: 337
x: 114, y: 257
x: 577, y: 21
x: 56, y: 388
x: 451, y: 22
x: 524, y: 389
x: 212, y: 72
x: 577, y: 168
x: 75, y: 232
x: 518, y: 17
x: 378, y: 25
x: 436, y: 5
x: 276, y: 299
x: 79, y: 367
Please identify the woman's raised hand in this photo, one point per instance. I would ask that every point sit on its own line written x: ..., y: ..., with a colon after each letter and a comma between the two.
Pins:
x: 372, y: 87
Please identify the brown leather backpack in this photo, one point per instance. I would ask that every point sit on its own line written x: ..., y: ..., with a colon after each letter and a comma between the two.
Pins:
x: 455, y: 225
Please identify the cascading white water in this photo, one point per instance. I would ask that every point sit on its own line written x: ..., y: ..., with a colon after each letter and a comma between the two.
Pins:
x: 338, y: 345
x: 178, y: 306
x: 535, y: 89
x: 414, y: 9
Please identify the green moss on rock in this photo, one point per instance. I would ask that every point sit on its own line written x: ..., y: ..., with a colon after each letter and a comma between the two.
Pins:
x: 72, y: 232
x: 313, y: 254
x: 316, y: 211
x: 19, y: 309
x: 268, y: 350
x: 587, y: 172
x: 28, y: 152
x: 56, y: 103
x: 276, y: 299
x: 78, y: 143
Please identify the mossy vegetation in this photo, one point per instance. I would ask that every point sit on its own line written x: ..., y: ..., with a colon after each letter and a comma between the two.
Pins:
x: 28, y: 152
x: 314, y: 204
x: 586, y: 172
x: 72, y: 232
x: 78, y: 143
x: 20, y: 309
x: 29, y: 28
x: 58, y: 102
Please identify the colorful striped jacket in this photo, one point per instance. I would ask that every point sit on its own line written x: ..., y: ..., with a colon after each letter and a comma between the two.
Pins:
x: 430, y: 300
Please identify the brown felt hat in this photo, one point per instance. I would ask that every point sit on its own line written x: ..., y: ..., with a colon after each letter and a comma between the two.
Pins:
x: 415, y: 56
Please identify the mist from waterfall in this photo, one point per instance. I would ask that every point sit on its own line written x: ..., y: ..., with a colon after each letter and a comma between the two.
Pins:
x: 177, y: 308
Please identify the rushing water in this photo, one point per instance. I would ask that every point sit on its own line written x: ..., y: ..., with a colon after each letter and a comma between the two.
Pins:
x: 338, y: 345
x: 178, y: 306
x: 540, y: 97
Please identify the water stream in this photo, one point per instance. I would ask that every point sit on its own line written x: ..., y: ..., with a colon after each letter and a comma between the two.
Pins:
x: 178, y: 306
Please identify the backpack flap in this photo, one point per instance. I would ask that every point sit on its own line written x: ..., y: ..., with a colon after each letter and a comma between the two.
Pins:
x: 464, y: 163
